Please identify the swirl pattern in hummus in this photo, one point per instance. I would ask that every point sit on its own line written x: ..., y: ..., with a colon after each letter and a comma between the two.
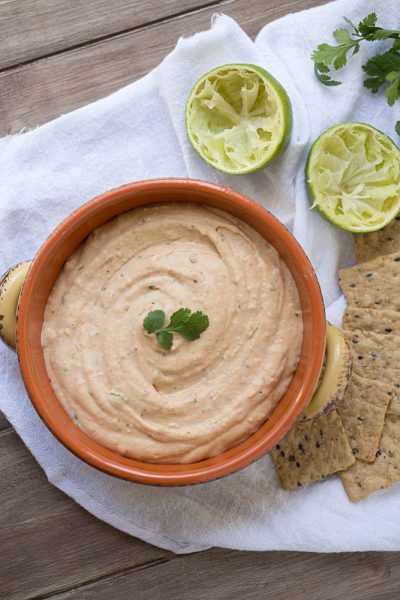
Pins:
x: 202, y: 397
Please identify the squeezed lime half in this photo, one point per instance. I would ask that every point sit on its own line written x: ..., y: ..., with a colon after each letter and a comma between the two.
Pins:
x: 353, y: 177
x: 238, y: 118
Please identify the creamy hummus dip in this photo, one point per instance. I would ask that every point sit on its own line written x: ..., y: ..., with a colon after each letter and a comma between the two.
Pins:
x: 202, y: 397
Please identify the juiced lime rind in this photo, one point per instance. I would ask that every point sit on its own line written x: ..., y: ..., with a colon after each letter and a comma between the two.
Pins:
x: 384, y: 214
x: 283, y: 117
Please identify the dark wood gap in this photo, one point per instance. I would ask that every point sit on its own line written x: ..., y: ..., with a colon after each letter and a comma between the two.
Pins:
x: 108, y: 577
x: 6, y: 429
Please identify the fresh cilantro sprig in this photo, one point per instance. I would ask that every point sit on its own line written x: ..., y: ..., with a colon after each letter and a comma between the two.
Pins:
x: 383, y: 70
x: 190, y: 325
x: 326, y: 56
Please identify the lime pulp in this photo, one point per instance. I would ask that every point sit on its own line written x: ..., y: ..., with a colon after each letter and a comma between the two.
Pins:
x: 238, y: 118
x: 353, y: 177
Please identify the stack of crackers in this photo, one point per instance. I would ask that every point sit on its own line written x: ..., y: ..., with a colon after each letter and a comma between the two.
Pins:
x: 360, y: 438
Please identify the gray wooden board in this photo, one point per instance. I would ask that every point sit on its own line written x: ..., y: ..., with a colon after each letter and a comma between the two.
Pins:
x: 55, y: 85
x: 47, y: 541
x: 228, y: 575
x: 4, y: 424
x: 55, y: 549
x: 41, y: 27
x: 50, y: 546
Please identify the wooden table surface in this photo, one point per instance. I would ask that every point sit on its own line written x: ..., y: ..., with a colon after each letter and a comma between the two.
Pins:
x: 57, y: 55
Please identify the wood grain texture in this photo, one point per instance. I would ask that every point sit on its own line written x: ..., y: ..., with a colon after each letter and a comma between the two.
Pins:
x: 47, y: 541
x: 40, y: 27
x: 4, y: 424
x: 51, y: 547
x: 227, y: 575
x: 58, y: 84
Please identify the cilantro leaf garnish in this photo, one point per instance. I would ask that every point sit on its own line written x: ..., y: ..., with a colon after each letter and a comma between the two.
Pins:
x: 326, y: 55
x: 397, y: 127
x: 179, y: 317
x: 321, y: 72
x: 164, y: 338
x: 154, y: 321
x: 367, y: 26
x: 190, y: 325
x: 383, y: 69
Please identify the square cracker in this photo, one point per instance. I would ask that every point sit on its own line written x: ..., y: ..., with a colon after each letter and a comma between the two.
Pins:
x: 384, y: 241
x: 373, y: 284
x: 362, y: 411
x: 364, y: 478
x: 375, y: 356
x: 312, y: 450
x: 394, y: 405
x: 382, y: 321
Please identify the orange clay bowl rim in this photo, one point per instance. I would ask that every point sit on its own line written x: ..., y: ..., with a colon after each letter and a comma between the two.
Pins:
x: 67, y: 237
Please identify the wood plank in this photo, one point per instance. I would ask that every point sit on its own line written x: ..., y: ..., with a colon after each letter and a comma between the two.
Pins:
x: 32, y: 29
x: 52, y: 544
x: 227, y: 575
x: 4, y: 424
x: 35, y: 93
x: 48, y: 542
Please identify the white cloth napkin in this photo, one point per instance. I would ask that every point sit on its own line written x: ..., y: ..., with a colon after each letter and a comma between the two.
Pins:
x: 138, y: 133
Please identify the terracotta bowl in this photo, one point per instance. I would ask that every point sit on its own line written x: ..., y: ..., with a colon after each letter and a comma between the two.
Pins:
x: 48, y: 263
